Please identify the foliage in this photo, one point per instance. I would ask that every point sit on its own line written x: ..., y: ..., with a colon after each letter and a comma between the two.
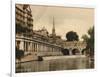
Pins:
x: 22, y: 29
x: 19, y: 54
x: 85, y: 37
x: 72, y: 36
x: 89, y: 40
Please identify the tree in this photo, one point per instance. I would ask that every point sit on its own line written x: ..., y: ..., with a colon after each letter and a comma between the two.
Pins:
x: 72, y: 36
x: 85, y: 38
x: 89, y: 40
x: 19, y: 54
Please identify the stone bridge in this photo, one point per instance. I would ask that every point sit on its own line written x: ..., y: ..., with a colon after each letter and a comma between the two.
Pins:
x: 74, y: 47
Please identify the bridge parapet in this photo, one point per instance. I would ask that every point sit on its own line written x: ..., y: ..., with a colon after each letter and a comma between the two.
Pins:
x: 79, y: 45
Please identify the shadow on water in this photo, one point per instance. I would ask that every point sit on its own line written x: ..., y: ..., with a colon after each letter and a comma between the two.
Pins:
x: 90, y: 63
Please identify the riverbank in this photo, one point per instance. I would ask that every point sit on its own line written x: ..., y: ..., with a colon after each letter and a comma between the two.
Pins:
x: 31, y: 58
x: 63, y: 57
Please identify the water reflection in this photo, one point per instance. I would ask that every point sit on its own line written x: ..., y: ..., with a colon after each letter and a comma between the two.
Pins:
x: 53, y: 65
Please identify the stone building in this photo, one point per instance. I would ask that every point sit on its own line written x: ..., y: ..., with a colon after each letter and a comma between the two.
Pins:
x: 24, y: 26
x: 24, y: 20
x: 33, y: 43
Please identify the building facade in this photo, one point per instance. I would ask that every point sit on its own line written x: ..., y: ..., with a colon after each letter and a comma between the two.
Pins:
x: 32, y: 42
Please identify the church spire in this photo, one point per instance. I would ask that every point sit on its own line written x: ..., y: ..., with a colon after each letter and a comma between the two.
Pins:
x: 53, y: 29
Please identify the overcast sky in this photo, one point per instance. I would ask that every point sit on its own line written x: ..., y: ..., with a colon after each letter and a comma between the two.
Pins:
x: 66, y: 19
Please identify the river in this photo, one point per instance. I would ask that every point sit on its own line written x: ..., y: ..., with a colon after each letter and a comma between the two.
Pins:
x: 54, y: 65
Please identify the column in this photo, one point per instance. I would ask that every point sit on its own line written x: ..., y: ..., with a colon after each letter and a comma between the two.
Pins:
x: 37, y: 47
x: 70, y: 51
x: 17, y: 44
x: 40, y: 47
x: 21, y: 45
x: 24, y: 46
x: 34, y: 46
x: 30, y: 46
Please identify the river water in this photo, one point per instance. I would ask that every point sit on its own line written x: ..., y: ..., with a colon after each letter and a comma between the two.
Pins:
x: 54, y: 65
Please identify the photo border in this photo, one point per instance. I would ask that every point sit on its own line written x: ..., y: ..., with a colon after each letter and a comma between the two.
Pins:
x: 31, y: 74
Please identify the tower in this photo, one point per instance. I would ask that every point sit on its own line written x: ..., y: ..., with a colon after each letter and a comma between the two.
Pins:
x: 53, y: 31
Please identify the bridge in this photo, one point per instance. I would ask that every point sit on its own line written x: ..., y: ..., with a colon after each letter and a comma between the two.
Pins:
x: 74, y: 47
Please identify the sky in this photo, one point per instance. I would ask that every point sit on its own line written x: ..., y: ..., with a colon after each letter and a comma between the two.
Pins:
x: 66, y: 19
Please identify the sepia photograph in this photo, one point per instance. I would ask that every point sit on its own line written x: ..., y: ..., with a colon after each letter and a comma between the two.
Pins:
x: 53, y: 38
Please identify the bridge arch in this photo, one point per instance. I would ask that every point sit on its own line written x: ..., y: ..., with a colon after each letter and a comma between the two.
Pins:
x: 75, y: 51
x: 83, y: 51
x: 65, y: 51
